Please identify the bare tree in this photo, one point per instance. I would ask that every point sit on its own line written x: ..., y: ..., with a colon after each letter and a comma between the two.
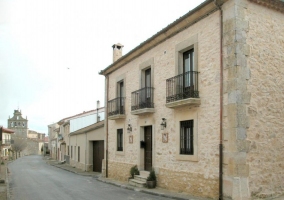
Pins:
x: 19, y: 144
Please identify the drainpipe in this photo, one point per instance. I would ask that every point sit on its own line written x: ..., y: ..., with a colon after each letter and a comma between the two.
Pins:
x: 86, y: 151
x: 221, y: 104
x: 106, y: 123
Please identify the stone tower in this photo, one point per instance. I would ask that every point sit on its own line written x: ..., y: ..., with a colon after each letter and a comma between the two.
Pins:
x: 18, y: 124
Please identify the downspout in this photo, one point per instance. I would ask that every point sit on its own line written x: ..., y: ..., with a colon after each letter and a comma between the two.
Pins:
x: 86, y: 151
x: 221, y: 105
x: 106, y: 123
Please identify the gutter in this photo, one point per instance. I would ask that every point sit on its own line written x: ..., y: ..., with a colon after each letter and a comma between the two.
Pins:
x: 219, y: 4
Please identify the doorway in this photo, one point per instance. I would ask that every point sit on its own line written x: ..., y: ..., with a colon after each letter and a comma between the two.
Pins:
x: 148, y: 148
x: 98, y: 155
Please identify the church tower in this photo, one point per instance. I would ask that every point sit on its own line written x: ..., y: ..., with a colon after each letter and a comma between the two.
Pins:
x: 18, y: 124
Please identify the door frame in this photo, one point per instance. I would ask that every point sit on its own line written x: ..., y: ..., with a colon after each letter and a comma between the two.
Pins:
x: 141, y: 151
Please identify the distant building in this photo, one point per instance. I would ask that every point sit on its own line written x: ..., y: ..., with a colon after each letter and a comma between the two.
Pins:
x: 6, y: 142
x: 18, y: 124
x: 34, y: 140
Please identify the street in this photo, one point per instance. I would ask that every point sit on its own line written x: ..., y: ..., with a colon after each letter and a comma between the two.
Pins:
x: 30, y: 178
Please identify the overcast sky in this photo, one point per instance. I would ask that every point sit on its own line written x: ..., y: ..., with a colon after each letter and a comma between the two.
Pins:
x: 52, y: 50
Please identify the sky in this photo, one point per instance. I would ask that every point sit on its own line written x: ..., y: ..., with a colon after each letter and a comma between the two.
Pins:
x: 51, y: 51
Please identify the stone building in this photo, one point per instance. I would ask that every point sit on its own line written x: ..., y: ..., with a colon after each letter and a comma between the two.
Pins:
x: 30, y: 142
x: 18, y: 124
x: 6, y: 142
x: 201, y: 102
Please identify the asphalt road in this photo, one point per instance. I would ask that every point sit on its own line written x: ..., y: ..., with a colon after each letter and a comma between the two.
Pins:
x: 31, y: 178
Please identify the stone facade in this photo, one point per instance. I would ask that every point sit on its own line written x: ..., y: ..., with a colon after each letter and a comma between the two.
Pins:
x: 265, y: 108
x: 252, y: 34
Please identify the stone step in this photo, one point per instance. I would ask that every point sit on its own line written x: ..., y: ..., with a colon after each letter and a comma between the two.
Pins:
x: 144, y: 173
x: 140, y: 178
x: 137, y: 183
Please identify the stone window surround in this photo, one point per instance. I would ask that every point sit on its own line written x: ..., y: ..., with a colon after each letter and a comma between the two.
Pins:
x: 143, y: 67
x: 121, y: 153
x: 193, y: 115
x: 180, y: 48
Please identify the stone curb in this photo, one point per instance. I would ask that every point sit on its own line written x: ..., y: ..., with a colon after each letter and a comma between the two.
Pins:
x: 147, y: 191
x: 79, y: 173
x: 7, y: 183
x: 129, y: 187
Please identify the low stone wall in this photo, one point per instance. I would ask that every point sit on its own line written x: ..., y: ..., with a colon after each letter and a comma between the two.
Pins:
x: 193, y: 183
x: 119, y: 171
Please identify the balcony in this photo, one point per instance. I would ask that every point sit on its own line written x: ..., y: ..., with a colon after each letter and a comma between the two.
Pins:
x: 182, y: 90
x: 116, y: 108
x: 7, y: 142
x: 142, y: 101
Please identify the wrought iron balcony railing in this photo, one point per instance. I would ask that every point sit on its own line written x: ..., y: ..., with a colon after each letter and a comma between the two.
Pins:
x: 7, y: 141
x: 116, y: 106
x: 182, y: 86
x: 143, y: 98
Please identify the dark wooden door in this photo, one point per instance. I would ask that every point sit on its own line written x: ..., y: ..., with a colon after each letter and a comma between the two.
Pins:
x: 148, y: 148
x: 98, y: 155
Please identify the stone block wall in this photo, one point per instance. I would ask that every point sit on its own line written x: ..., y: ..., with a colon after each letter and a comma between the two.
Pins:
x: 265, y: 109
x: 119, y: 171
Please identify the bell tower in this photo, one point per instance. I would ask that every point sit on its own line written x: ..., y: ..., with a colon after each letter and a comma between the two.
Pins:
x: 18, y: 124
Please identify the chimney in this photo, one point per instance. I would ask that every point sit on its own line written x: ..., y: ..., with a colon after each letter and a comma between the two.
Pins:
x: 117, y: 51
x: 98, y: 106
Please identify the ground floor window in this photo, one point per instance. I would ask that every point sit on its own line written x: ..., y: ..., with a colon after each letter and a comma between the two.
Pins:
x: 186, y: 137
x: 71, y: 151
x: 119, y: 139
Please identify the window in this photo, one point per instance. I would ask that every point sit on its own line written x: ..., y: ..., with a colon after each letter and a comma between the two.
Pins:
x: 186, y: 137
x: 78, y: 154
x: 71, y: 151
x: 119, y: 139
x: 68, y: 149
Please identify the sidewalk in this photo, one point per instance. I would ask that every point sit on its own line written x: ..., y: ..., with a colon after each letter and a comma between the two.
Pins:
x: 157, y: 191
x: 3, y: 181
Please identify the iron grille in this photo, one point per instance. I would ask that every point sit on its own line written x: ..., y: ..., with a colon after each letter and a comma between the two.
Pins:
x: 186, y: 137
x: 119, y: 140
x: 143, y: 98
x: 116, y: 106
x: 182, y: 86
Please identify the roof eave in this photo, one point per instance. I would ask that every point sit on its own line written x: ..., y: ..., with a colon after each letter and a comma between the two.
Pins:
x: 180, y: 24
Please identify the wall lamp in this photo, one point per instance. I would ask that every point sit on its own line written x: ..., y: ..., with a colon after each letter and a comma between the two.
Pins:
x: 163, y: 124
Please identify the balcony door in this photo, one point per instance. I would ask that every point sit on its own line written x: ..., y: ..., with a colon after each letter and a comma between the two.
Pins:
x: 148, y: 85
x: 120, y: 94
x: 188, y: 70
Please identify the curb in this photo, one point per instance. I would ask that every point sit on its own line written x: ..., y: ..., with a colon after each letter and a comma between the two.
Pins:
x: 126, y: 186
x: 141, y: 190
x: 7, y: 183
x: 79, y: 173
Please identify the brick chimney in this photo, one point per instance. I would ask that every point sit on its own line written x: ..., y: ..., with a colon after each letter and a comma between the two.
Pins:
x: 117, y: 51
